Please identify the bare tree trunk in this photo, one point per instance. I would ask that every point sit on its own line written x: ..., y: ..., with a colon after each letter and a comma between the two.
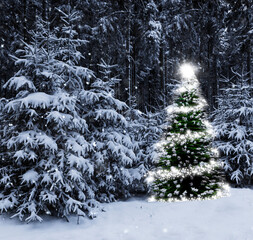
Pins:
x: 248, y: 43
x: 215, y: 81
x: 25, y: 21
x: 129, y: 60
x: 161, y: 71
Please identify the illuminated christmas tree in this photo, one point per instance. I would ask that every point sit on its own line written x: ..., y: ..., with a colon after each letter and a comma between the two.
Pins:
x: 186, y: 166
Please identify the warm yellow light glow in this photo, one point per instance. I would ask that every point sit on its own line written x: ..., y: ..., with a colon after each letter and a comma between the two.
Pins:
x: 187, y: 71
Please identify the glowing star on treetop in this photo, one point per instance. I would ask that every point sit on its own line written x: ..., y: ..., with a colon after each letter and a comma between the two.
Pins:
x: 187, y: 71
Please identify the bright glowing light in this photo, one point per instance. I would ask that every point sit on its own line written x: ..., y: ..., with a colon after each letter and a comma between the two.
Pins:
x: 215, y: 152
x: 187, y: 71
x: 152, y: 199
x: 150, y: 179
x: 223, y: 191
x: 208, y: 167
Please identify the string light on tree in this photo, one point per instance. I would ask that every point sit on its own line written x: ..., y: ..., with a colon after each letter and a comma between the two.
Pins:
x: 186, y: 164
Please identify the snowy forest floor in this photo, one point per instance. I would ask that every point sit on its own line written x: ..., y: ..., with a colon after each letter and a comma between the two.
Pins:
x: 228, y: 218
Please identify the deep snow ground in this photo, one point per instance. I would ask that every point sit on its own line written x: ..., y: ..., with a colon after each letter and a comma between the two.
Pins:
x: 228, y: 218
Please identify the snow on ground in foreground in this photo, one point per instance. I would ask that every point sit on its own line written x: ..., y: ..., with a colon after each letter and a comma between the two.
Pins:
x: 228, y: 218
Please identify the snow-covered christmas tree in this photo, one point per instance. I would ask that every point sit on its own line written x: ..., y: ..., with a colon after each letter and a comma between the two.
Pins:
x: 186, y: 166
x: 45, y: 160
x: 145, y: 130
x: 233, y: 122
x: 117, y: 166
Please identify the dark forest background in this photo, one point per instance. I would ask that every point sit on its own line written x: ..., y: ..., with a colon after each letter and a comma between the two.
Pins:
x: 146, y: 40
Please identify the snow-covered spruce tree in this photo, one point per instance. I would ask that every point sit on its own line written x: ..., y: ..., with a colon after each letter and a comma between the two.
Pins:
x: 233, y: 122
x: 186, y: 169
x: 46, y: 164
x: 116, y: 163
x: 145, y: 130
